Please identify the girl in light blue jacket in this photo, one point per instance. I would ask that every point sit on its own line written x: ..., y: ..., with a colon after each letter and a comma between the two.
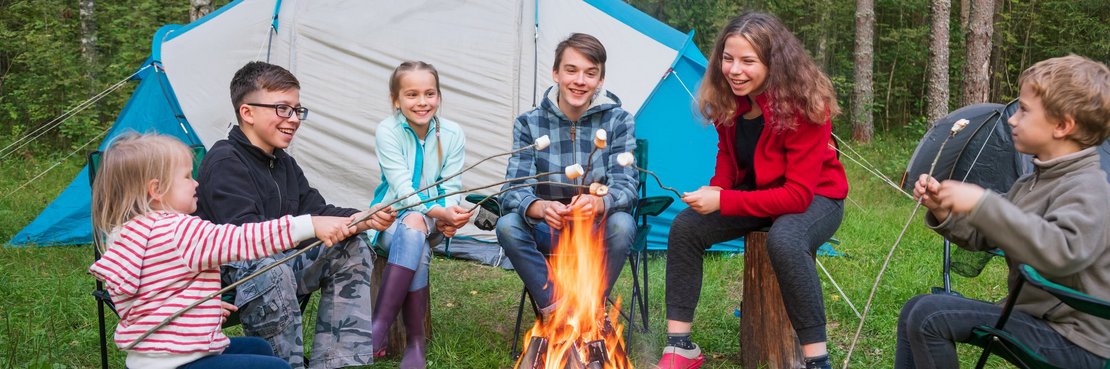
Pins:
x: 415, y: 148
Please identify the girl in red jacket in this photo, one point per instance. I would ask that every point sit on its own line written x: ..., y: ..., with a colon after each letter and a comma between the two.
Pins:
x: 772, y: 108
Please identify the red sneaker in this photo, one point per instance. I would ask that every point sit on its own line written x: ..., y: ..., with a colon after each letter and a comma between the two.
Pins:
x: 678, y: 358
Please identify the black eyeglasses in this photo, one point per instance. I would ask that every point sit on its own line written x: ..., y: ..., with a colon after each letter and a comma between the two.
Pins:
x: 285, y: 111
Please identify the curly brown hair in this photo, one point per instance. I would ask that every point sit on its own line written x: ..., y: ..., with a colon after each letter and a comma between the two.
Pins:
x: 796, y: 86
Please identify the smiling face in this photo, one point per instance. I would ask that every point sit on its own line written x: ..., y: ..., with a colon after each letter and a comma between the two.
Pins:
x: 742, y: 67
x: 418, y: 97
x: 578, y: 79
x: 263, y: 126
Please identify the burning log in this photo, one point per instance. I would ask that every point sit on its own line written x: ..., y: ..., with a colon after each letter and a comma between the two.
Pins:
x: 597, y: 355
x: 578, y: 333
x: 572, y: 358
x: 533, y: 357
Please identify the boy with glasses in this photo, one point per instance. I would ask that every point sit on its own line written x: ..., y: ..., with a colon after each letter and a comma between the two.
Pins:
x: 249, y: 178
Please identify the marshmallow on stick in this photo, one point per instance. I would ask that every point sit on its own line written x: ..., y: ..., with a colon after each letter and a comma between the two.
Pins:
x: 627, y: 159
x: 598, y: 189
x: 600, y: 137
x: 574, y: 171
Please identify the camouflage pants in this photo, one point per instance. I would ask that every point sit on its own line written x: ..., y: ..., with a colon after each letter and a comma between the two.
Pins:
x: 269, y: 308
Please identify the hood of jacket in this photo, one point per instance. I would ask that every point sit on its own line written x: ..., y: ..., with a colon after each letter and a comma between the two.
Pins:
x: 604, y: 100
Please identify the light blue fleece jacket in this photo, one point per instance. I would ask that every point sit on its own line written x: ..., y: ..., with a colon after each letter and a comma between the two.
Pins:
x: 398, y: 151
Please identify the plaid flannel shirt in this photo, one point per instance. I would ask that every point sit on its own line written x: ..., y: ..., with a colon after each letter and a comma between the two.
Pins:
x: 571, y: 142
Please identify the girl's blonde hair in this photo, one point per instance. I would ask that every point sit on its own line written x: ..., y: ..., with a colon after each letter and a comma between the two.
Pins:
x: 395, y: 91
x: 405, y: 67
x: 795, y: 85
x: 119, y: 190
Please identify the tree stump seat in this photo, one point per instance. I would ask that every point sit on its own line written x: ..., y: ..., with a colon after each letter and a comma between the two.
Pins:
x: 767, y: 339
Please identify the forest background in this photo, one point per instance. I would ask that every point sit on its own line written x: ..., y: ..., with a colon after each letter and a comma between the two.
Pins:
x: 896, y: 64
x: 54, y: 54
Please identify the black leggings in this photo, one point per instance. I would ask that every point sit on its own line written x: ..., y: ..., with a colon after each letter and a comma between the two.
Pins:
x: 791, y: 243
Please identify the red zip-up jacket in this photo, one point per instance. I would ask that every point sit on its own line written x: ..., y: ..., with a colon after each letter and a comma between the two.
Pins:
x: 791, y: 167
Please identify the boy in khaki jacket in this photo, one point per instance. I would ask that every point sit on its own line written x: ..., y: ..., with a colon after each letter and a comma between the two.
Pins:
x: 1056, y: 219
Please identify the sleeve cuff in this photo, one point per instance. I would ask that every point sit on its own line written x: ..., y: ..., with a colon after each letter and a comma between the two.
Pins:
x: 428, y: 207
x: 300, y: 228
x: 932, y: 222
x: 524, y: 205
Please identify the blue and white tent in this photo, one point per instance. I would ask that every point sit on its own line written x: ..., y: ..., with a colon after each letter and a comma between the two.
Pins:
x: 494, y: 59
x: 152, y: 108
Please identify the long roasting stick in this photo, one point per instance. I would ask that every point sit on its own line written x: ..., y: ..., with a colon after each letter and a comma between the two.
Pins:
x: 541, y: 143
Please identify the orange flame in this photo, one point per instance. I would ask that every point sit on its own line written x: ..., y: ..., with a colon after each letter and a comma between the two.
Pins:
x: 578, y: 279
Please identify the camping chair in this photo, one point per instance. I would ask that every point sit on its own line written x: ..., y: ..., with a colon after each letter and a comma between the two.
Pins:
x: 995, y: 340
x: 637, y: 253
x: 100, y: 294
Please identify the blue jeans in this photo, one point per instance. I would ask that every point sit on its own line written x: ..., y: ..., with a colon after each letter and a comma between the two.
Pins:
x: 930, y: 325
x: 526, y: 246
x: 243, y: 353
x: 411, y: 248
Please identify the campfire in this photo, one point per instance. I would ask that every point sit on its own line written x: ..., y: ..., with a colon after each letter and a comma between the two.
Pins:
x: 579, y: 334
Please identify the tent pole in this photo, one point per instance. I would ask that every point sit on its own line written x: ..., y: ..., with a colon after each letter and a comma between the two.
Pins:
x: 535, y: 51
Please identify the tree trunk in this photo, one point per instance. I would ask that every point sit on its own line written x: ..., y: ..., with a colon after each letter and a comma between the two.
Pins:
x: 936, y: 100
x: 767, y: 339
x: 977, y: 69
x: 199, y: 8
x: 965, y: 12
x: 863, y: 94
x: 823, y: 35
x: 998, y: 77
x: 88, y: 39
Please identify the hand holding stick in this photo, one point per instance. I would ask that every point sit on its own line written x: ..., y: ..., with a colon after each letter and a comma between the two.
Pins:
x: 956, y: 128
x: 540, y: 143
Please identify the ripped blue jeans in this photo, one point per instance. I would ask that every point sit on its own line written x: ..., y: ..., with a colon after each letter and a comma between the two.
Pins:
x: 411, y: 248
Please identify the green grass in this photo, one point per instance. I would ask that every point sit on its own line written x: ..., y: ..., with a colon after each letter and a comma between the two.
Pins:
x: 49, y: 318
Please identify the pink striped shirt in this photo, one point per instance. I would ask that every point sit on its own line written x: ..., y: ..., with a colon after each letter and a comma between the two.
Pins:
x: 159, y: 263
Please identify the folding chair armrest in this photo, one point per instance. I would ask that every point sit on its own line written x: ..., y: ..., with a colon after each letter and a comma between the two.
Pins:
x: 492, y: 205
x: 653, y: 205
x: 1076, y: 299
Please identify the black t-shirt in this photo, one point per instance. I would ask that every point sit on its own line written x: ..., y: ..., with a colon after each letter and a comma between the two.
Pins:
x: 747, y: 135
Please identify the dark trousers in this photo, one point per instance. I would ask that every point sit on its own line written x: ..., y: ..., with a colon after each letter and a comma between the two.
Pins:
x: 243, y: 353
x: 930, y: 325
x: 791, y: 243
